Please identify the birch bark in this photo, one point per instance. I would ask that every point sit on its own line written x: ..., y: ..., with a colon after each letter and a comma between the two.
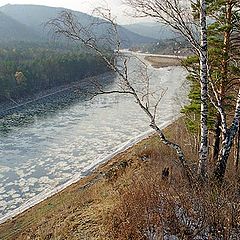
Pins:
x: 227, y: 144
x: 203, y: 151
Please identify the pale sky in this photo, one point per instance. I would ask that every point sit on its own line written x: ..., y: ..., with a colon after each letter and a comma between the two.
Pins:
x: 116, y: 6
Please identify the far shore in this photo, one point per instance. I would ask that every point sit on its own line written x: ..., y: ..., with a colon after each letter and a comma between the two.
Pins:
x: 10, y: 104
x: 158, y: 60
x: 164, y: 61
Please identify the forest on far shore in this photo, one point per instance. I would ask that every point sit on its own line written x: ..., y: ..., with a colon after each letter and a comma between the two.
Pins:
x: 29, y: 68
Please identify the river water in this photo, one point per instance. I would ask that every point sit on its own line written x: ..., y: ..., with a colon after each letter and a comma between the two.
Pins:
x: 46, y: 150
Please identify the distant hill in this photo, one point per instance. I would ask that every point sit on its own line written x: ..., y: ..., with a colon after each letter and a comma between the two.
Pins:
x: 153, y: 30
x: 34, y: 18
x: 11, y: 30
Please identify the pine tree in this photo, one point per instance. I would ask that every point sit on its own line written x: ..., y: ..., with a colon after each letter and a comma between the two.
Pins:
x: 223, y: 78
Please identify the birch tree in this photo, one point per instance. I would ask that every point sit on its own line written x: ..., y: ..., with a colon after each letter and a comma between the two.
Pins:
x: 139, y: 88
x: 203, y: 157
x: 178, y: 15
x: 223, y: 65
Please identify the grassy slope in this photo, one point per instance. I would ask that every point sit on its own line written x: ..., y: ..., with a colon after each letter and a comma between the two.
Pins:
x: 82, y: 210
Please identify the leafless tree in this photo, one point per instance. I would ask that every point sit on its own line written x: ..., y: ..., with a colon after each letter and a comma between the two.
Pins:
x: 139, y: 87
x: 178, y: 15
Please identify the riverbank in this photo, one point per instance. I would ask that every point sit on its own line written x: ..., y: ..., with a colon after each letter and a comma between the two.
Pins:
x: 144, y: 157
x: 138, y: 192
x: 164, y: 61
x: 82, y: 210
x: 81, y: 85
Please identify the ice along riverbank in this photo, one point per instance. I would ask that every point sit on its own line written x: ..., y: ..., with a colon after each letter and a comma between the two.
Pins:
x: 46, y: 154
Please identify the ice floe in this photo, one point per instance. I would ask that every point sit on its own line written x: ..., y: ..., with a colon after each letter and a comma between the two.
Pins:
x: 31, y: 167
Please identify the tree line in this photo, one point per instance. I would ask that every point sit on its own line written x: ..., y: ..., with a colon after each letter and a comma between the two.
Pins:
x: 28, y: 68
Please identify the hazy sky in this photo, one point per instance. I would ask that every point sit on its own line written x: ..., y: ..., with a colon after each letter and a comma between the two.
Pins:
x: 118, y: 9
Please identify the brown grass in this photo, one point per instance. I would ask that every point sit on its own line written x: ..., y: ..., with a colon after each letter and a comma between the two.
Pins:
x: 127, y: 198
x: 153, y: 208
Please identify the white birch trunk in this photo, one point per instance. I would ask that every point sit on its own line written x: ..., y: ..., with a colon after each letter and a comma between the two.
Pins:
x: 227, y: 143
x: 203, y: 151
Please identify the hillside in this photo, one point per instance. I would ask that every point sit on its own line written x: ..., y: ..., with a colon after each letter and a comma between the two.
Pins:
x: 153, y: 30
x: 11, y: 30
x: 35, y: 17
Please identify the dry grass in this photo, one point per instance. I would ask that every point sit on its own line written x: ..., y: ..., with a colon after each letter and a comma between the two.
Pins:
x: 128, y: 198
x: 78, y: 212
x: 153, y: 208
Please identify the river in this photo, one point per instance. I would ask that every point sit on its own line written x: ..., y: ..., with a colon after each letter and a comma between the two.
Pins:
x: 48, y: 149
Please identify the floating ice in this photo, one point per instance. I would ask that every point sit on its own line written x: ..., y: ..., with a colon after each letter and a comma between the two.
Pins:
x: 50, y: 151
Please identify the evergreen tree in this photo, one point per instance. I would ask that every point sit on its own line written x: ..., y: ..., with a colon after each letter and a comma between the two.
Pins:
x: 224, y: 73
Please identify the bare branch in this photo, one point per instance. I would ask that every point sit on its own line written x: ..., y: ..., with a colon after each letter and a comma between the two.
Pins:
x: 139, y: 87
x: 174, y: 13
